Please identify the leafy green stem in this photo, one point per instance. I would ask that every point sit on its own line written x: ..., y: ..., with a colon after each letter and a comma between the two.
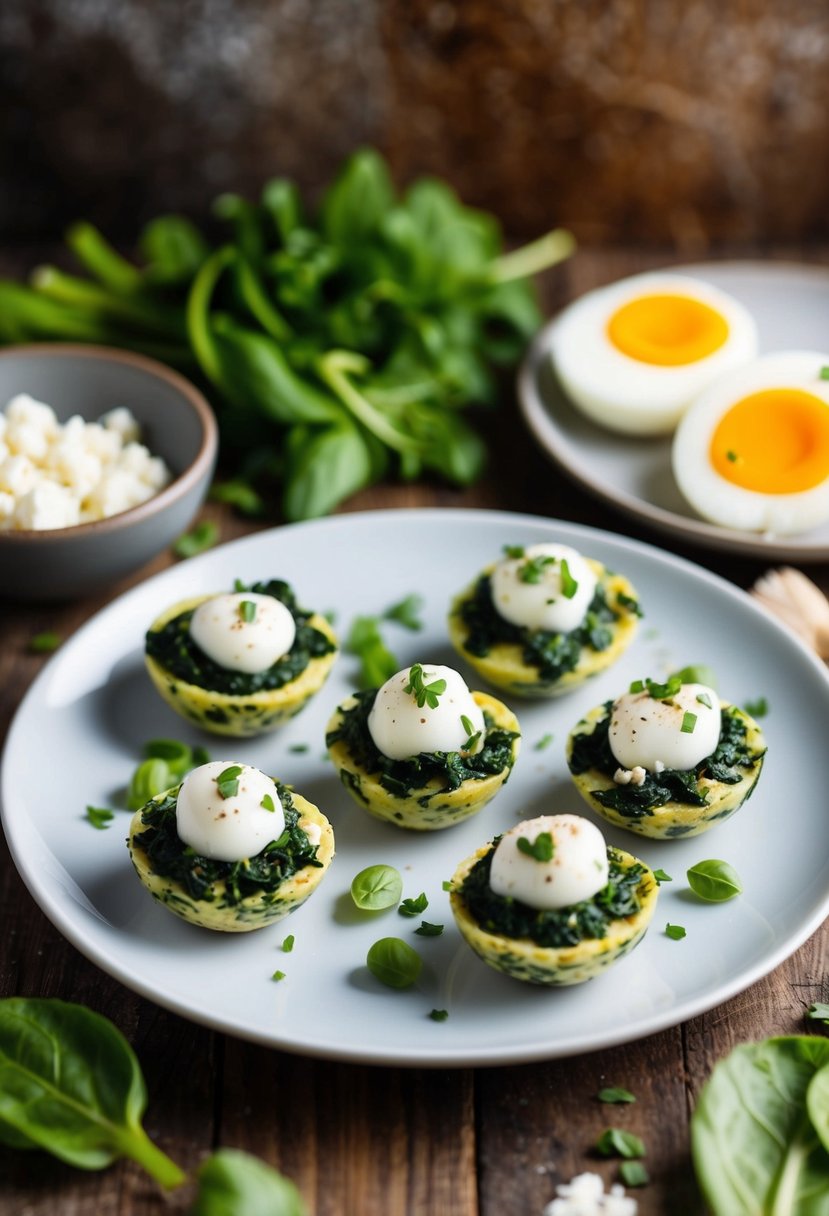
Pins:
x: 335, y: 367
x: 198, y: 311
x: 103, y: 303
x: 101, y: 260
x: 547, y: 251
x: 138, y: 1146
x: 261, y: 307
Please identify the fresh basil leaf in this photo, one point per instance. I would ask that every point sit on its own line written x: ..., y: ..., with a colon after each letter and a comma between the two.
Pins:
x: 71, y: 1084
x: 232, y: 1183
x: 714, y: 880
x: 754, y: 1143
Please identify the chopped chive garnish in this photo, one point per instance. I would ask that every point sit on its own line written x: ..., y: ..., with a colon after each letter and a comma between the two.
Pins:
x: 247, y: 611
x: 299, y: 748
x: 424, y: 694
x: 228, y: 781
x: 202, y: 537
x: 569, y: 585
x: 533, y: 568
x: 704, y: 699
x: 267, y: 802
x: 633, y: 1173
x: 446, y: 885
x: 543, y: 742
x: 439, y: 1015
x: 288, y: 944
x: 278, y: 975
x: 542, y: 848
x: 689, y: 721
x: 406, y: 612
x: 425, y: 929
x: 413, y: 907
x: 616, y: 1095
x: 99, y: 816
x: 45, y: 642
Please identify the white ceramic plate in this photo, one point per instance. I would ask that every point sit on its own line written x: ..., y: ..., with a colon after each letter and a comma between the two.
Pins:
x: 790, y: 304
x: 80, y: 731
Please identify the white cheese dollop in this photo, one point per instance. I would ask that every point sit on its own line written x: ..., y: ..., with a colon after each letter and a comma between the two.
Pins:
x: 531, y: 591
x: 231, y: 828
x: 401, y: 728
x: 577, y: 869
x: 676, y: 732
x: 243, y: 639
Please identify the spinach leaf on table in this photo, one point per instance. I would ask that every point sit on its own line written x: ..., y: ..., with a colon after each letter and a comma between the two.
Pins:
x: 759, y: 1131
x: 232, y: 1183
x: 70, y: 1084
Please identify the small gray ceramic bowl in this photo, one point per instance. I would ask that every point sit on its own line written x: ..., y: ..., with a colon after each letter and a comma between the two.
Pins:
x: 176, y: 424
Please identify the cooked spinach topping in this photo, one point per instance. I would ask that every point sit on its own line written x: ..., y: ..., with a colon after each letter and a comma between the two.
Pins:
x: 170, y: 857
x: 402, y: 777
x: 554, y: 927
x: 174, y: 649
x: 553, y: 654
x: 728, y: 763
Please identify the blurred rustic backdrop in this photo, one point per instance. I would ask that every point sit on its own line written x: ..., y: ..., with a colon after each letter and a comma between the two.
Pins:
x: 666, y: 122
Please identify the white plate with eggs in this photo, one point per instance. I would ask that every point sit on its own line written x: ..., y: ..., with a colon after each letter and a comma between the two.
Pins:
x: 82, y: 727
x: 789, y: 307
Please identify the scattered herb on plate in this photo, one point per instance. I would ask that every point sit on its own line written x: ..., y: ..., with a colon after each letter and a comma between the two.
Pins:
x: 376, y: 887
x: 675, y: 932
x: 394, y: 962
x: 714, y: 880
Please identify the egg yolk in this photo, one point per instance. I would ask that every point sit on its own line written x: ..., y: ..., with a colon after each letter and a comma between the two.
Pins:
x: 775, y: 442
x: 667, y: 330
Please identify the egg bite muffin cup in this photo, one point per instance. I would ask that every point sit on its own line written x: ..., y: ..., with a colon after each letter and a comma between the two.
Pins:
x: 504, y: 666
x: 240, y: 715
x: 431, y: 807
x: 674, y: 818
x: 555, y: 966
x: 255, y: 911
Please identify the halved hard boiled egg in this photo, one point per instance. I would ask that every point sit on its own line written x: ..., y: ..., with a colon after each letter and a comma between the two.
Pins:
x: 633, y: 355
x: 752, y: 453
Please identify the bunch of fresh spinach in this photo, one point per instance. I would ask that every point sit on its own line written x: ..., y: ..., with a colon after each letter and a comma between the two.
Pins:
x: 760, y: 1131
x: 71, y: 1084
x: 339, y: 348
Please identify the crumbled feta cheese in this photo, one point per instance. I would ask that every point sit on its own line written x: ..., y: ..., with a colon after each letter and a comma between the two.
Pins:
x: 47, y: 505
x: 55, y: 476
x: 122, y: 423
x: 630, y: 776
x: 585, y: 1196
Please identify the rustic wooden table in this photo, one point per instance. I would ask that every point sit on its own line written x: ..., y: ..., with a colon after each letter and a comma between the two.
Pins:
x: 364, y: 1140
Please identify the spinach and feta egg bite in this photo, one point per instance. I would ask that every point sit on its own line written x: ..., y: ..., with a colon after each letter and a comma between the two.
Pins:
x: 240, y: 663
x: 548, y: 902
x: 422, y: 751
x: 230, y: 848
x: 666, y: 759
x: 544, y: 619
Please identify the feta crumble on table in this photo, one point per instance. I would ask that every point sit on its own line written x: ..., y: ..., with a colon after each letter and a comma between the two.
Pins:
x: 585, y: 1195
x: 56, y: 475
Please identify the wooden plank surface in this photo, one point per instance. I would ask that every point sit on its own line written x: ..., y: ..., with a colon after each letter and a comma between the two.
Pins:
x: 369, y: 1141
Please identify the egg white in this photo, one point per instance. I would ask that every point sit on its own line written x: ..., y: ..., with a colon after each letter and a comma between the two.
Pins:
x: 711, y: 495
x: 628, y: 395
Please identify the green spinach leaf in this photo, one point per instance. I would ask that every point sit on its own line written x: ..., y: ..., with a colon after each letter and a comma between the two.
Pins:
x: 232, y: 1183
x: 71, y: 1084
x: 756, y: 1136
